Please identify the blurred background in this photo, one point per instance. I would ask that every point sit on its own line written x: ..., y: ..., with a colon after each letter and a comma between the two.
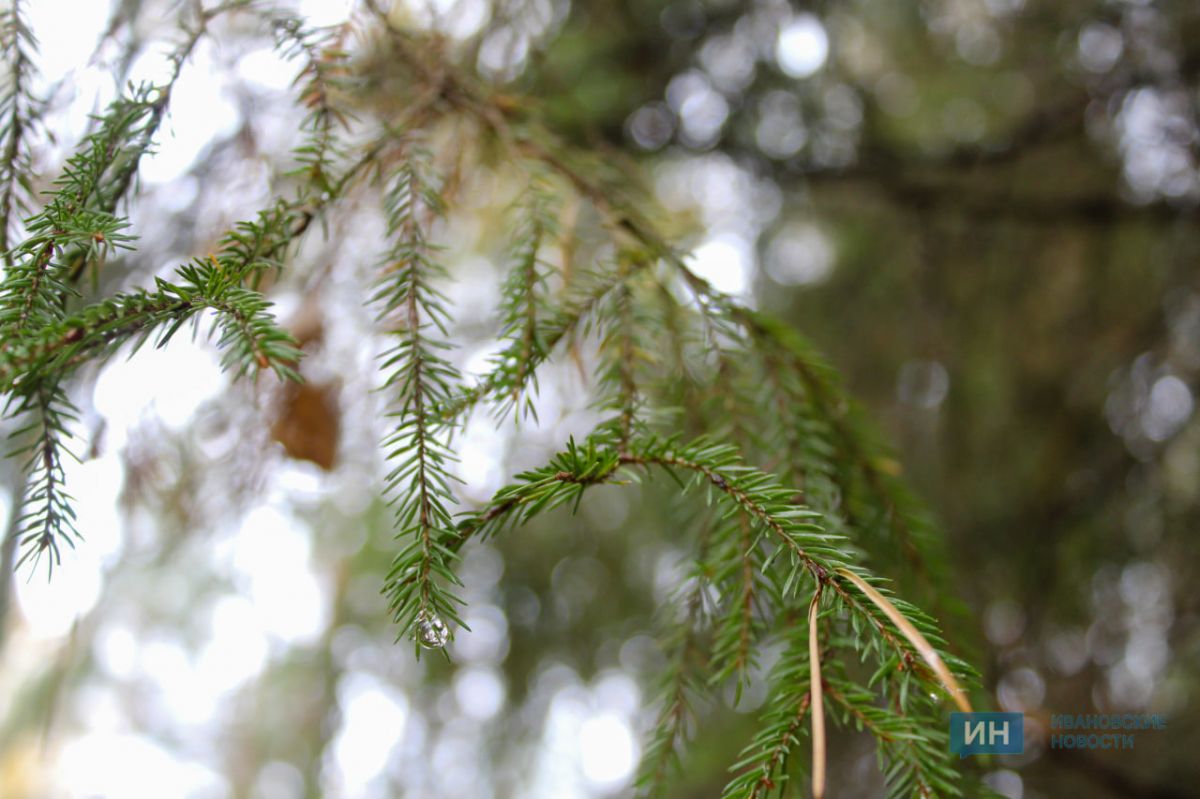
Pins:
x: 983, y: 211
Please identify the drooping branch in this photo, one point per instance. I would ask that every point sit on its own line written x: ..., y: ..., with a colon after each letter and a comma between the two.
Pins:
x: 19, y: 112
x: 421, y: 581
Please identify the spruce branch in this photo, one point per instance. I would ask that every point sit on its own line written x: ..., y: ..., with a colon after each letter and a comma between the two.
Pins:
x: 622, y: 351
x: 776, y: 543
x: 801, y: 545
x: 681, y: 684
x: 739, y: 625
x: 421, y: 583
x: 523, y: 304
x: 895, y: 632
x: 323, y: 81
x: 125, y: 134
x: 33, y: 367
x: 46, y: 520
x: 126, y: 149
x: 807, y: 451
x: 914, y: 637
x: 729, y: 399
x: 854, y: 437
x: 19, y: 113
x: 577, y: 314
x: 76, y: 220
x: 762, y: 770
x: 904, y: 518
x: 249, y: 335
x: 253, y: 247
x: 914, y: 750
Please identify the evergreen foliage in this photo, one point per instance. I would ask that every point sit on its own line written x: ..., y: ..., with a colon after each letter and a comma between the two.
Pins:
x: 800, y: 520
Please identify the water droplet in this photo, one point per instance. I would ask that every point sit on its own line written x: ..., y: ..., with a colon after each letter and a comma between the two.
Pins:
x: 432, y: 632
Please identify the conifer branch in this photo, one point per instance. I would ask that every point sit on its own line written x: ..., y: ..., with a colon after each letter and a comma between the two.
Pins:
x: 853, y: 435
x: 914, y: 636
x: 742, y: 628
x: 911, y: 529
x: 623, y: 354
x: 523, y: 305
x: 252, y: 247
x: 763, y: 765
x: 421, y: 581
x: 761, y: 498
x: 125, y: 134
x: 914, y: 751
x: 681, y: 683
x: 19, y: 110
x: 249, y: 335
x: 804, y: 546
x: 47, y: 520
x: 775, y: 543
x: 740, y: 577
x: 125, y: 150
x: 576, y: 315
x: 77, y: 226
x: 323, y: 80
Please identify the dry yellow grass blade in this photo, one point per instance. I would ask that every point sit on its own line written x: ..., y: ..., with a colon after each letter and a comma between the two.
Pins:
x: 926, y: 650
x: 818, y: 701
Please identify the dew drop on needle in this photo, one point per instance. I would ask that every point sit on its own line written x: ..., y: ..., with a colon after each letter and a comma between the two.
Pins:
x: 432, y: 632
